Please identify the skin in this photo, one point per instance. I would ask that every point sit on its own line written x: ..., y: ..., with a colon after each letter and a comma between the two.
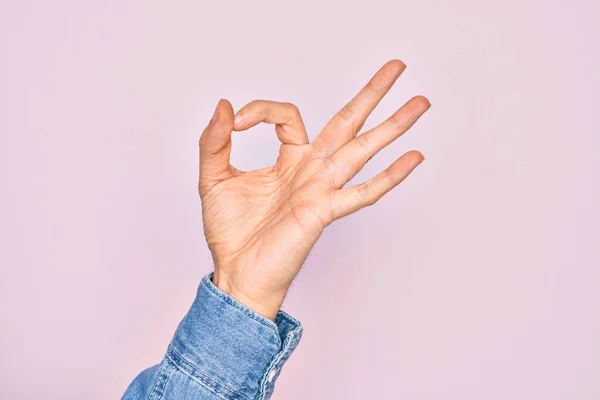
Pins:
x: 260, y: 225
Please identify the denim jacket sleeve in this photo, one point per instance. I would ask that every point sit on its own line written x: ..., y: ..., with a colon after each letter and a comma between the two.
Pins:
x: 221, y: 350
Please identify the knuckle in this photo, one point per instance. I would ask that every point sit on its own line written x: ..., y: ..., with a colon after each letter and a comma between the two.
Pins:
x: 347, y: 113
x: 364, y: 190
x: 202, y: 188
x: 389, y: 179
x: 254, y: 106
x: 373, y: 85
x: 365, y: 146
x: 293, y: 108
x: 323, y: 146
x: 399, y: 120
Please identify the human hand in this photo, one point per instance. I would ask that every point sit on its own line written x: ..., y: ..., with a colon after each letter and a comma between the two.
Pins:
x: 260, y: 225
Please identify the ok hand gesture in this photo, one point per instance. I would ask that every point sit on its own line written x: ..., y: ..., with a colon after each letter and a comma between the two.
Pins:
x: 260, y: 225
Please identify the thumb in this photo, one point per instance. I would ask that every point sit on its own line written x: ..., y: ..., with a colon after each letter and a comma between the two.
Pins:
x: 215, y: 146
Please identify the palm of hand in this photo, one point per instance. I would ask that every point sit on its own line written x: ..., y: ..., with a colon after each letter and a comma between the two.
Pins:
x: 261, y: 225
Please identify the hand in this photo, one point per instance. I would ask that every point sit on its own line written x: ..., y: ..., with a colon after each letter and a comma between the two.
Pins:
x: 261, y: 225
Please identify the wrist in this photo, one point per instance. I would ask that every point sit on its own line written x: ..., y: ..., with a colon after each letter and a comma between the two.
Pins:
x: 267, y: 306
x: 230, y: 349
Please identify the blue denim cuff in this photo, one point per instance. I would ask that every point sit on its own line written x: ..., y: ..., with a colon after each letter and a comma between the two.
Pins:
x: 230, y: 349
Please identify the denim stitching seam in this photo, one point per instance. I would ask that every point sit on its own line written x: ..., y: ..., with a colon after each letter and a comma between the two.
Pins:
x: 161, y: 381
x: 238, y: 306
x: 198, y: 376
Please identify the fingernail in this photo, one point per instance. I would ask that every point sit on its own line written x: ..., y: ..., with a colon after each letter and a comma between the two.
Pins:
x: 237, y: 119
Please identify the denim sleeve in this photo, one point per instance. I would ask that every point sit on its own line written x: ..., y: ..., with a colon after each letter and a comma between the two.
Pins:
x: 221, y: 350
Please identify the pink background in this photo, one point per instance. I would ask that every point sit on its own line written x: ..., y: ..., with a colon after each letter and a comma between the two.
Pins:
x: 478, y: 278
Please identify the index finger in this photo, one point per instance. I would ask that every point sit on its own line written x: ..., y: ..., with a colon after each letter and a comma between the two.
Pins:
x: 286, y: 117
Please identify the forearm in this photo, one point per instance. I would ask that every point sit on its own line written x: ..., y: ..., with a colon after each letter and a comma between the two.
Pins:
x: 221, y: 350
